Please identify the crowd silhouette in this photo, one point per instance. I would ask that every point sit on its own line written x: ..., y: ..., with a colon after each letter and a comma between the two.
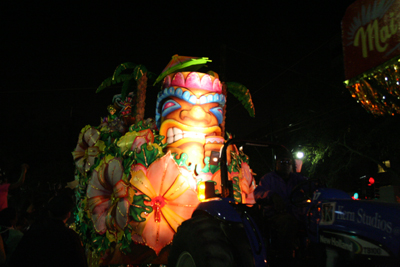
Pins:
x: 33, y: 223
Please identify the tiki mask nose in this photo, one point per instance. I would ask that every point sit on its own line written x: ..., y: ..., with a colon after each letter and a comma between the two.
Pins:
x: 197, y: 113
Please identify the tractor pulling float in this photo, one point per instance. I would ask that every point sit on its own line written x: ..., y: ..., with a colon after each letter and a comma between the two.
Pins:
x: 172, y: 191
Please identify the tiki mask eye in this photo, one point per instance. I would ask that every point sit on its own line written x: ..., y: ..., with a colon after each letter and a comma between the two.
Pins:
x: 218, y: 113
x: 169, y: 106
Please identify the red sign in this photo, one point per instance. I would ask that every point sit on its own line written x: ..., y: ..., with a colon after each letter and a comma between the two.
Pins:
x: 370, y: 35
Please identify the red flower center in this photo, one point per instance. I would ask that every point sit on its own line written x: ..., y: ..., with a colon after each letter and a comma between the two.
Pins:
x: 157, y: 203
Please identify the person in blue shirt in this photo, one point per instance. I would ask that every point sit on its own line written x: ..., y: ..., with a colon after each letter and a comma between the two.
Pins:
x: 273, y: 194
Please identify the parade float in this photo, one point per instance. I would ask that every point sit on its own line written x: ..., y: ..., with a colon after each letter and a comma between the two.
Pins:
x: 139, y: 179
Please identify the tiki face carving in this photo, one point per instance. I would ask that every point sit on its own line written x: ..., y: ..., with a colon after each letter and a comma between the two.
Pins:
x: 188, y: 116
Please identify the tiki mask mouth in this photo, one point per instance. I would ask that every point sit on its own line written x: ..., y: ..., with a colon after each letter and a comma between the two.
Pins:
x: 177, y: 133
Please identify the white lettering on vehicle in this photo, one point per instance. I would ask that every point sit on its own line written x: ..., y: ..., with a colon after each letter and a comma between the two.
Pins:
x: 341, y: 214
x: 371, y: 251
x: 328, y: 213
x: 374, y: 221
x: 316, y: 195
x: 361, y: 217
x: 351, y: 243
x: 336, y: 242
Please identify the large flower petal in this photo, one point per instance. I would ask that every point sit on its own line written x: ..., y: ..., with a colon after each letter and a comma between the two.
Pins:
x: 137, y: 167
x: 121, y: 214
x: 93, y: 202
x: 157, y: 235
x: 80, y: 164
x: 173, y: 219
x: 179, y: 186
x: 95, y: 188
x: 99, y: 216
x: 142, y: 183
x: 121, y: 189
x: 114, y: 171
x: 79, y: 152
x: 91, y: 136
x: 162, y: 173
x: 182, y: 206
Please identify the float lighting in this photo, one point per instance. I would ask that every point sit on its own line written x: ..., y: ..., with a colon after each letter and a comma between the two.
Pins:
x: 299, y: 155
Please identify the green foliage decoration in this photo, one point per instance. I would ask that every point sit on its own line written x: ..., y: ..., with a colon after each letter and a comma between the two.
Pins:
x: 138, y: 207
x: 182, y: 160
x: 237, y: 193
x: 148, y: 154
x: 128, y: 80
x: 237, y: 159
x: 243, y: 95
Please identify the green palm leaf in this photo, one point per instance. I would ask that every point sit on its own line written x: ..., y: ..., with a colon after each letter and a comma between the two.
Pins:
x: 180, y: 63
x: 127, y: 86
x: 243, y: 95
x: 106, y: 83
x: 128, y: 80
x: 122, y: 67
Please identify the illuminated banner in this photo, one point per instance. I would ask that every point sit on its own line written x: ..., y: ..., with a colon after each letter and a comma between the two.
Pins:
x: 370, y: 35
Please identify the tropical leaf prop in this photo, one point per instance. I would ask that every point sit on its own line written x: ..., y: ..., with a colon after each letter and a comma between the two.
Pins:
x: 128, y: 80
x: 124, y: 66
x: 182, y: 62
x: 117, y: 77
x: 243, y: 95
x: 127, y: 87
x: 106, y: 83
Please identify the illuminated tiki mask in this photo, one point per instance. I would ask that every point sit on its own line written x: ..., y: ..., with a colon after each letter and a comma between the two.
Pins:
x: 189, y: 114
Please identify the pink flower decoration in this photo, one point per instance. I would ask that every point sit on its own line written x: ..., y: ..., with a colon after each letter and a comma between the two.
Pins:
x: 247, y: 184
x: 108, y: 196
x: 172, y: 200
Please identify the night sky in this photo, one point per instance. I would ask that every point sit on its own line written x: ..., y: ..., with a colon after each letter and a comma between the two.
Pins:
x: 55, y: 55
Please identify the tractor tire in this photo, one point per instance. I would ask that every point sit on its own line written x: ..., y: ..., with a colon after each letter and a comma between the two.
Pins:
x: 201, y: 242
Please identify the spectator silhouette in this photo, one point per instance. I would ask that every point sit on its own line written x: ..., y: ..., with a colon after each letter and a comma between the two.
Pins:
x: 2, y: 253
x: 49, y: 242
x: 9, y: 234
x: 5, y: 186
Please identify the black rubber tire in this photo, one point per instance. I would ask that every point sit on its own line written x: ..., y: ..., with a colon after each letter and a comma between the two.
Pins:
x: 200, y: 241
